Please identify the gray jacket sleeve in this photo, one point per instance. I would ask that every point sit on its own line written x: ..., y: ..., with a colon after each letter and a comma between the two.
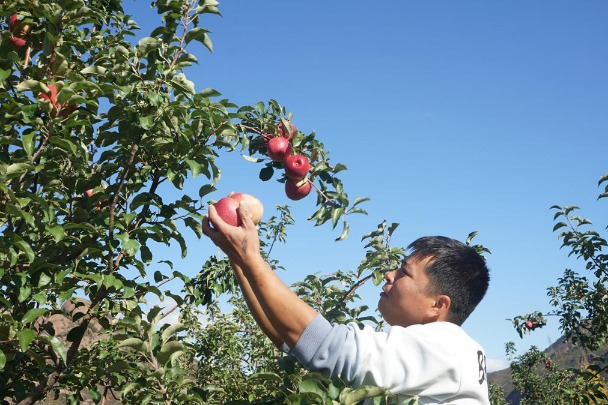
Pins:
x: 328, y: 349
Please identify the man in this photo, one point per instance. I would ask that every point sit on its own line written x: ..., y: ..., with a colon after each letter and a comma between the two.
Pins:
x: 426, y: 354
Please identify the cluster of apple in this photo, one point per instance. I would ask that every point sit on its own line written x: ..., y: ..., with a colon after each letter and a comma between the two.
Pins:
x: 297, y: 185
x: 19, y: 30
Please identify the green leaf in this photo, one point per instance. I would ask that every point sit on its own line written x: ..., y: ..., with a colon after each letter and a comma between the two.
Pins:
x: 89, y: 70
x: 44, y: 280
x: 182, y: 84
x: 392, y: 228
x: 64, y: 144
x: 171, y: 330
x: 252, y: 159
x: 134, y: 343
x: 57, y: 232
x: 345, y: 231
x: 15, y: 170
x: 196, y: 34
x: 2, y: 359
x: 266, y: 172
x: 206, y: 189
x: 167, y: 350
x: 182, y: 243
x: 207, y: 42
x: 33, y: 314
x: 128, y: 388
x: 5, y: 74
x: 339, y: 167
x: 194, y: 166
x: 359, y: 200
x: 313, y: 386
x: 146, y: 254
x: 270, y: 377
x: 34, y: 85
x: 146, y: 121
x: 26, y: 336
x: 209, y: 92
x: 147, y: 45
x: 336, y: 214
x: 354, y: 396
x: 24, y: 292
x: 57, y: 346
x: 28, y: 141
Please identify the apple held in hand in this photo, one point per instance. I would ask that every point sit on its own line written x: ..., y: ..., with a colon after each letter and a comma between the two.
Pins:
x: 279, y: 148
x: 297, y: 189
x: 255, y: 207
x: 227, y: 208
x: 288, y: 132
x: 297, y: 167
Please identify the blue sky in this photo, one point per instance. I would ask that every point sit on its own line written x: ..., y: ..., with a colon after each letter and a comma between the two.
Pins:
x: 451, y: 116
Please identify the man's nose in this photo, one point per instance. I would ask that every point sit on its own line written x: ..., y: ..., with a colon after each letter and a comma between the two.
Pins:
x: 390, y: 275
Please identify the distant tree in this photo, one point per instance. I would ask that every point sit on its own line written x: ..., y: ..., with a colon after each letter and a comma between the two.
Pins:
x: 581, y: 304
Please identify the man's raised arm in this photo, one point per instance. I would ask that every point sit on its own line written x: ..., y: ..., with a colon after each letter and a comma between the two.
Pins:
x: 281, y: 314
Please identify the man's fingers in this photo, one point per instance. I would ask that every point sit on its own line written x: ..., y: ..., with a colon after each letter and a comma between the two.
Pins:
x: 245, y: 215
x: 207, y: 229
x: 216, y: 221
x: 212, y: 223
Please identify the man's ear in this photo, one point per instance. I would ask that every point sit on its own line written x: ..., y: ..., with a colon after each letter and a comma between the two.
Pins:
x: 442, y: 306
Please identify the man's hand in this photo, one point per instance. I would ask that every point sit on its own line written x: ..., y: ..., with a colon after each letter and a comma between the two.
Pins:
x: 241, y: 244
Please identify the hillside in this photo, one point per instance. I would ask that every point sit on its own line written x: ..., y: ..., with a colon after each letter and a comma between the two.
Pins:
x: 564, y: 354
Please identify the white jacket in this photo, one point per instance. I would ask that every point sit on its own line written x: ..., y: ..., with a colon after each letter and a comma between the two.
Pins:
x: 436, y: 362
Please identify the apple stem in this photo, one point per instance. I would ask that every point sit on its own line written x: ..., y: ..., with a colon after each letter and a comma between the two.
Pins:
x: 318, y: 190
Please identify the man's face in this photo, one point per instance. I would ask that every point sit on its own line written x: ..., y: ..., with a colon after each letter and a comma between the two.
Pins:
x: 405, y: 299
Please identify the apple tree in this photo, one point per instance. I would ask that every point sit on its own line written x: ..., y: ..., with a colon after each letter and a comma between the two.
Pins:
x: 580, y: 302
x: 101, y: 131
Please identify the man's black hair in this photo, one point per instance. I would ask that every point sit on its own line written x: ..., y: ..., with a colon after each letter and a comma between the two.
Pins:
x: 455, y: 270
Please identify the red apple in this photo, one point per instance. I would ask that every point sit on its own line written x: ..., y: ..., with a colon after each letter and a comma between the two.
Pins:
x: 13, y: 21
x: 279, y: 148
x: 18, y: 42
x: 88, y: 193
x: 297, y: 167
x: 529, y: 324
x: 255, y: 207
x: 227, y: 210
x: 53, y: 97
x: 297, y: 189
x: 19, y: 28
x: 288, y: 133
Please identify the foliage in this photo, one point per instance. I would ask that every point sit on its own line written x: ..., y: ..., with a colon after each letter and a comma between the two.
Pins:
x: 540, y: 381
x: 101, y: 132
x: 497, y: 395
